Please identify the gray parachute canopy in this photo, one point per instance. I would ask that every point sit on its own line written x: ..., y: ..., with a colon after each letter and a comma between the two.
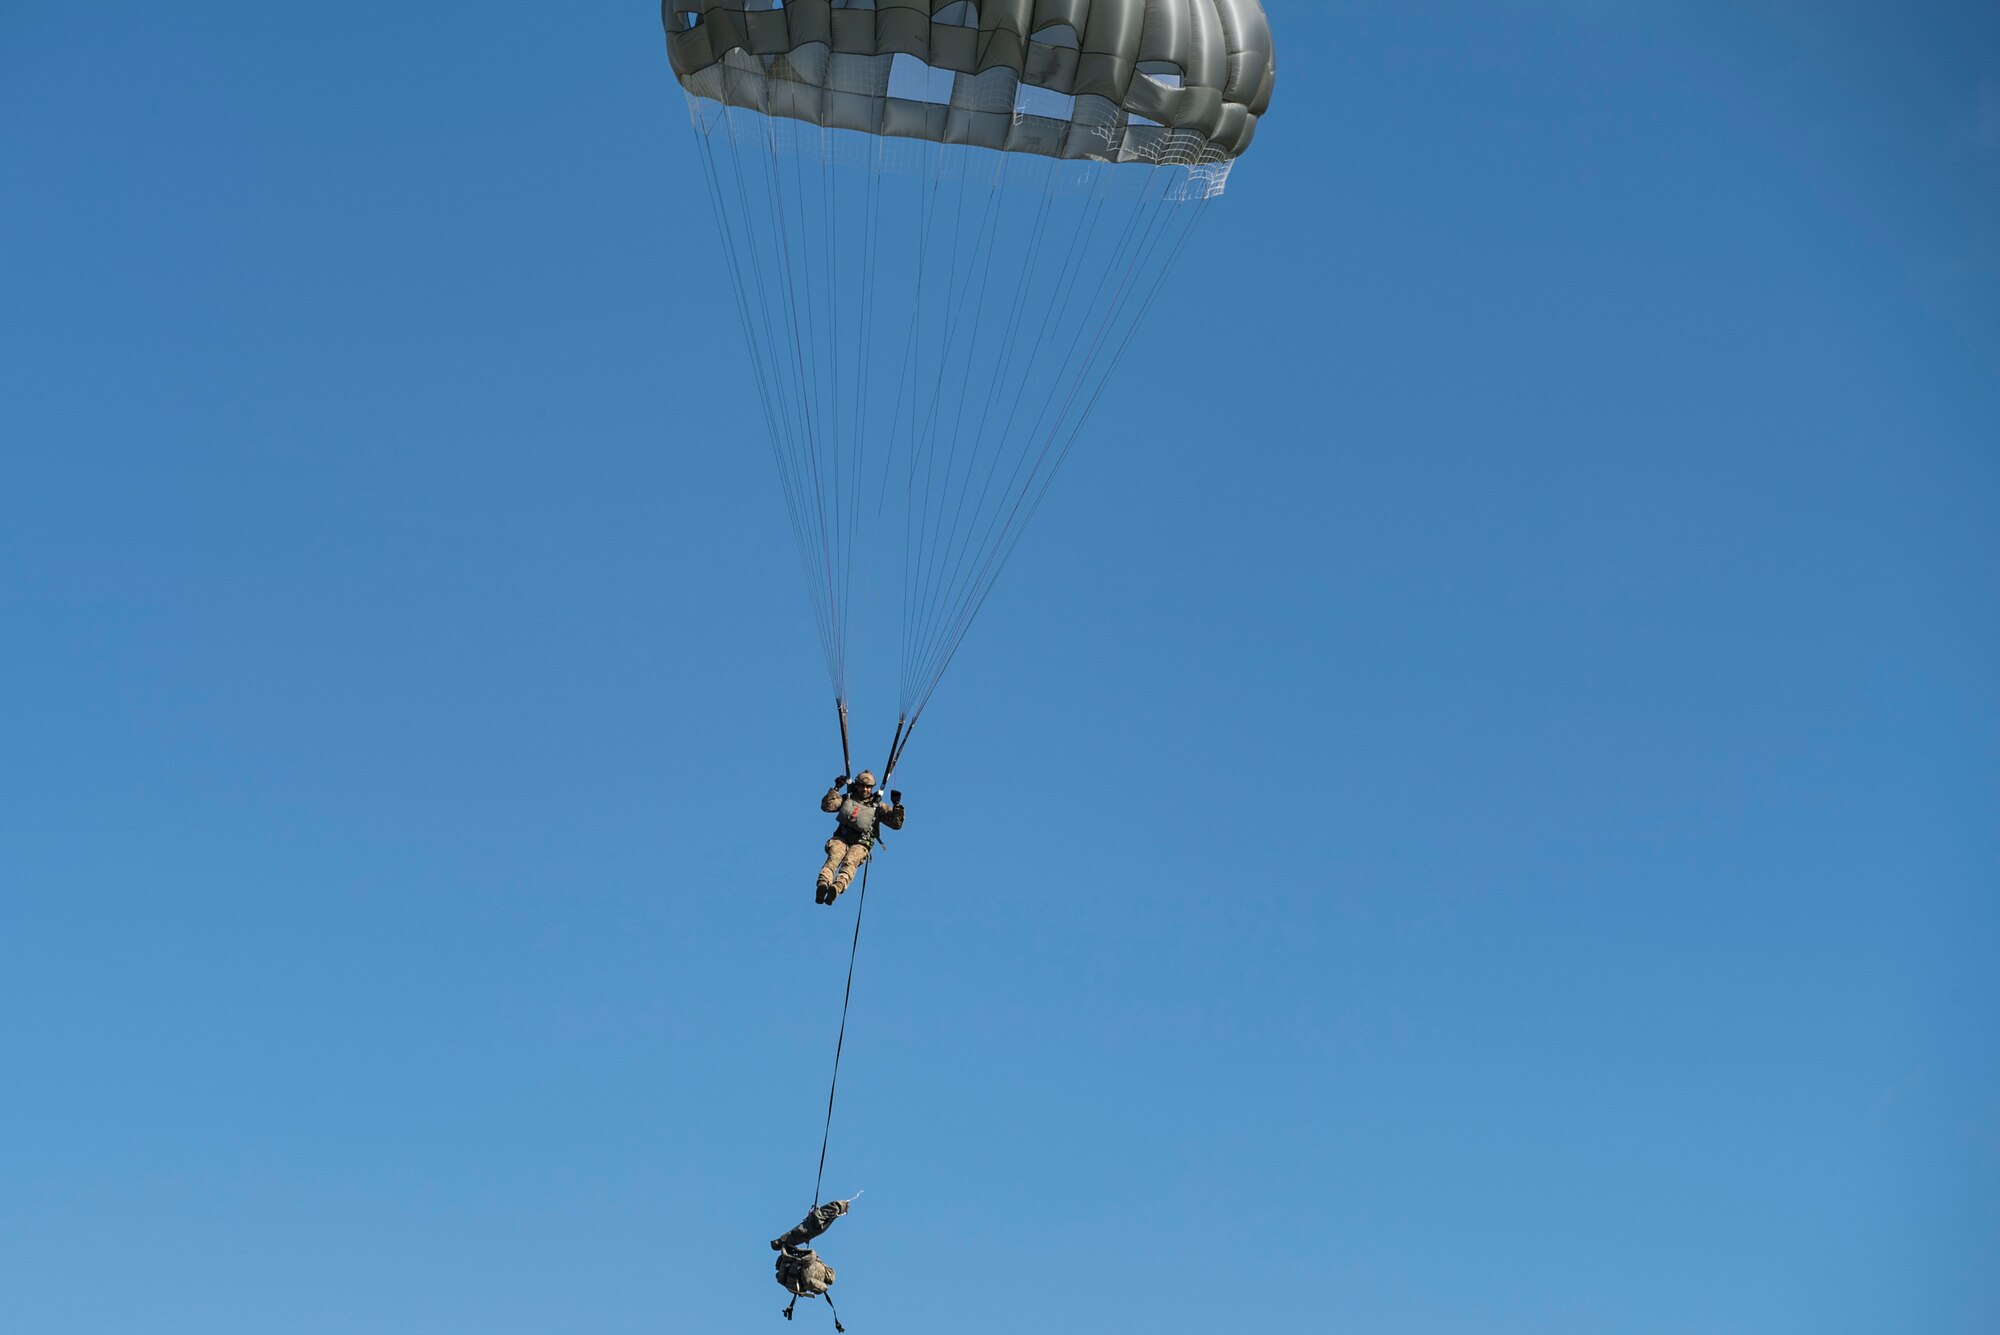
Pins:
x: 1163, y: 81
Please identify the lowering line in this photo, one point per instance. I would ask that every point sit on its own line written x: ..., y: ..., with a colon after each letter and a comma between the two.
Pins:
x: 852, y: 951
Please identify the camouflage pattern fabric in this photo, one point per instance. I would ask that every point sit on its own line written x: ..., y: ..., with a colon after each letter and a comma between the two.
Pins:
x: 814, y: 1224
x: 860, y: 817
x: 842, y: 862
x: 803, y: 1274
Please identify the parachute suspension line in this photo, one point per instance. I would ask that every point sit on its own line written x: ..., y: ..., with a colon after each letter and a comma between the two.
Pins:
x: 823, y: 382
x: 830, y: 235
x: 915, y: 527
x: 939, y: 533
x: 797, y: 427
x: 761, y: 375
x: 912, y: 349
x: 1009, y: 344
x: 801, y: 435
x: 786, y: 446
x: 931, y: 516
x: 840, y: 1044
x: 1076, y: 431
x: 824, y: 433
x: 1195, y: 215
x: 763, y: 362
x: 1069, y: 431
x: 922, y: 648
x: 927, y: 213
x: 1056, y: 312
x: 930, y: 519
x: 866, y: 322
x: 808, y: 385
x: 935, y: 648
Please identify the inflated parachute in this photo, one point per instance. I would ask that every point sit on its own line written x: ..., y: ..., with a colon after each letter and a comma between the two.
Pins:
x: 944, y: 221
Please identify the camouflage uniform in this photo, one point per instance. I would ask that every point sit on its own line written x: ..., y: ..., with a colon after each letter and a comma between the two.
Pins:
x: 854, y: 841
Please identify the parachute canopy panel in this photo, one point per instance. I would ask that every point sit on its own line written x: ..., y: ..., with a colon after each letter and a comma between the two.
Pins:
x: 1174, y: 82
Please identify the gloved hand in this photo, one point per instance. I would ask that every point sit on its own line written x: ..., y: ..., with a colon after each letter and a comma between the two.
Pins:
x: 896, y: 796
x: 840, y: 782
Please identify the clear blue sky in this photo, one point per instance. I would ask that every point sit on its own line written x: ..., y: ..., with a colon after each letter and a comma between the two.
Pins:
x: 1474, y: 814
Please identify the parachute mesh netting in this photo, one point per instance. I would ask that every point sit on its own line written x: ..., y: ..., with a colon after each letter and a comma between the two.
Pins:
x: 944, y: 223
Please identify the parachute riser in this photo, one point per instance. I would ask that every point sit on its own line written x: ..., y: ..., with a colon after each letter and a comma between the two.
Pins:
x: 904, y: 726
x: 846, y: 760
